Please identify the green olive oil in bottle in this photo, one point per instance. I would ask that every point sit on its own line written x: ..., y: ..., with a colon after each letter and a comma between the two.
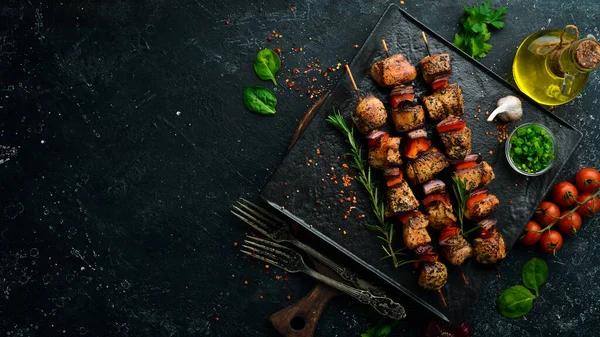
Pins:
x: 553, y: 66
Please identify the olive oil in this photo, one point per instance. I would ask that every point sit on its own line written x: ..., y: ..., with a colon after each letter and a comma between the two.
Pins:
x: 552, y: 70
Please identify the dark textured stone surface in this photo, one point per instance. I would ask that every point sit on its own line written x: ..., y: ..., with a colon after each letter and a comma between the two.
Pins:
x: 132, y: 142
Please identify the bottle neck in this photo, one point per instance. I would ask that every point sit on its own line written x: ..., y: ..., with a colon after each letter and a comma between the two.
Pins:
x: 575, y: 58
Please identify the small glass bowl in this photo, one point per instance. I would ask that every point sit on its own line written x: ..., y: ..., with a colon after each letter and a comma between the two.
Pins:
x: 509, y: 146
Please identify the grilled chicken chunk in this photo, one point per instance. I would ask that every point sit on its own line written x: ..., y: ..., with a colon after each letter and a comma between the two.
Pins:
x: 489, y: 249
x: 436, y: 67
x: 408, y: 118
x: 458, y: 251
x: 426, y: 166
x: 386, y: 155
x: 457, y: 142
x: 483, y: 208
x: 414, y: 231
x: 476, y: 176
x: 433, y: 276
x: 369, y: 114
x: 440, y: 215
x: 444, y: 102
x: 393, y: 70
x: 400, y: 198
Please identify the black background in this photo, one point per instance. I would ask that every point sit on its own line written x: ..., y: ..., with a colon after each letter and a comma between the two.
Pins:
x: 133, y: 142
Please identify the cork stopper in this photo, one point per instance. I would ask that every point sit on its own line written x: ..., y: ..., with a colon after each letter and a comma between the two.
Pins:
x: 587, y: 54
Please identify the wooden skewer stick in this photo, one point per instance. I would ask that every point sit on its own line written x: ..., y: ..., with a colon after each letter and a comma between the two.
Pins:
x: 442, y: 296
x: 385, y: 48
x: 463, y: 275
x: 353, y: 83
x: 426, y: 43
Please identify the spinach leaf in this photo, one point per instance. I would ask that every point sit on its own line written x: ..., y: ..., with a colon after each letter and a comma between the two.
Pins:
x: 535, y: 273
x: 267, y: 64
x: 260, y: 100
x: 515, y: 301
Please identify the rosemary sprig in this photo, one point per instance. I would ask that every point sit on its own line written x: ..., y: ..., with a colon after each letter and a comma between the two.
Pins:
x: 385, y: 229
x: 461, y: 193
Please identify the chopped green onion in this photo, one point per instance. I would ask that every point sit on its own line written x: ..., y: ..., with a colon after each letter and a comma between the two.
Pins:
x: 531, y: 148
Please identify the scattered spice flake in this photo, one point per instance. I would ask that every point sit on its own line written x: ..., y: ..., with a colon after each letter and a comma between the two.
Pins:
x: 261, y: 297
x: 344, y: 165
x: 356, y: 46
x: 260, y: 9
x: 318, y: 202
x: 278, y: 277
x: 347, y: 180
x: 245, y: 282
x: 293, y: 9
x: 402, y: 2
x: 288, y: 297
x: 510, y: 202
x: 227, y: 21
x: 217, y: 319
x: 361, y: 216
x: 235, y: 244
x: 266, y: 266
x: 345, y: 232
x: 491, y: 152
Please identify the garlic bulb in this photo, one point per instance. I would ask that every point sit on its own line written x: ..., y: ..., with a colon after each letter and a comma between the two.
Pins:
x: 509, y: 109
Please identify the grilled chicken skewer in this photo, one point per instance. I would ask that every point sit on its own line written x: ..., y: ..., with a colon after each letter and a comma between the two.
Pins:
x: 393, y: 70
x: 435, y: 68
x: 489, y: 247
x: 370, y: 112
x: 480, y: 205
x: 426, y: 166
x: 456, y: 249
x: 433, y: 274
x: 444, y: 102
x: 400, y: 197
x: 408, y: 118
x: 477, y: 176
x: 456, y: 137
x: 414, y: 229
x: 384, y: 151
x: 438, y: 208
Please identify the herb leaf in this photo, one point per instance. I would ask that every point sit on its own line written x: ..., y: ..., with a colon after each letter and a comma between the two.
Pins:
x: 535, y: 273
x: 267, y: 64
x: 515, y: 301
x: 475, y: 28
x: 260, y: 100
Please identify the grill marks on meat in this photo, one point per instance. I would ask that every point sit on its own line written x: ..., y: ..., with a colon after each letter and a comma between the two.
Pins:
x: 400, y: 198
x: 483, y: 208
x: 393, y: 70
x: 476, y: 176
x: 458, y: 251
x: 408, y: 118
x: 444, y: 102
x: 440, y: 215
x: 369, y: 114
x: 414, y: 232
x: 457, y: 143
x: 433, y: 276
x: 435, y: 67
x: 426, y: 166
x: 386, y: 155
x: 489, y: 250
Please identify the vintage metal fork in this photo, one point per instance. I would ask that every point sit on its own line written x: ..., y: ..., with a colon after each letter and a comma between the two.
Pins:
x: 291, y: 261
x: 277, y: 230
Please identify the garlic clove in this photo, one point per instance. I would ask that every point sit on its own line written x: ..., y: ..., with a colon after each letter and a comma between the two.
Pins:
x: 508, y: 109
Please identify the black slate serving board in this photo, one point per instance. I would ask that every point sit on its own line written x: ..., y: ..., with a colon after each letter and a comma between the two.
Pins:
x: 305, y: 192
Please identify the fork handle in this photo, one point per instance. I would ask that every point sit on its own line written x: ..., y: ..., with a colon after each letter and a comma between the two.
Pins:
x: 307, y: 311
x: 383, y: 304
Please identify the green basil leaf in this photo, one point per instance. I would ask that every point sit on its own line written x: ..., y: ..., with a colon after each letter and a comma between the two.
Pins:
x: 260, y: 100
x: 515, y: 301
x: 267, y: 64
x: 384, y: 331
x: 535, y: 273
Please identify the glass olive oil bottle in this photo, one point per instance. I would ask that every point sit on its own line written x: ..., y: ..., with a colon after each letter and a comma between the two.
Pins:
x: 553, y: 66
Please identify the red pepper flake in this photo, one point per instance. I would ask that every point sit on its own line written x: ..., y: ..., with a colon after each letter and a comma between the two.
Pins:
x: 288, y: 297
x: 291, y: 83
x: 267, y: 266
x: 278, y: 277
x: 356, y: 46
x: 261, y: 297
x: 510, y: 202
x: 260, y: 9
x: 295, y: 71
x: 491, y: 152
x: 293, y: 9
x: 318, y: 151
x: 277, y: 50
x: 235, y: 244
x: 318, y: 202
x: 227, y: 21
x: 245, y: 282
x: 217, y: 319
x: 345, y: 232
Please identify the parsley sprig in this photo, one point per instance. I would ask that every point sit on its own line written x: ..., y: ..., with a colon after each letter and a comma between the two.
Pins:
x: 473, y: 39
x: 385, y: 229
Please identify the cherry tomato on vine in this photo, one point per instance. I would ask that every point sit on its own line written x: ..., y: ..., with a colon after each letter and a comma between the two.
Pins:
x: 551, y: 241
x: 531, y: 234
x: 546, y: 213
x: 587, y: 180
x: 565, y: 194
x: 590, y: 208
x: 570, y: 224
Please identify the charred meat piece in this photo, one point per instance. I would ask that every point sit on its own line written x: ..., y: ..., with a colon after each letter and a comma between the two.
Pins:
x: 386, y: 155
x: 489, y: 247
x: 456, y: 249
x: 400, y: 198
x: 482, y: 207
x: 426, y: 166
x: 457, y: 143
x: 439, y: 215
x: 369, y: 114
x: 436, y: 70
x: 414, y: 230
x: 393, y: 70
x: 444, y: 102
x: 408, y: 118
x: 433, y: 276
x: 476, y: 176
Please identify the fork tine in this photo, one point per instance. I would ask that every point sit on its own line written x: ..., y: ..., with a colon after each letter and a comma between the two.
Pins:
x: 265, y: 259
x: 249, y: 222
x: 262, y: 210
x: 267, y: 242
x: 267, y: 250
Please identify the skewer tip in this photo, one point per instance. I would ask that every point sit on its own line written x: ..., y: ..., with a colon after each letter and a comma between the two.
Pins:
x: 385, y: 48
x: 443, y: 299
x: 426, y: 43
x: 352, y: 81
